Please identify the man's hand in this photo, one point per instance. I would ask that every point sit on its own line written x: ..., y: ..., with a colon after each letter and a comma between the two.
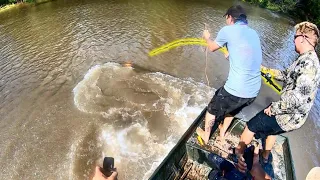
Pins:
x: 268, y: 112
x: 206, y: 34
x: 257, y: 172
x: 241, y: 165
x: 226, y: 55
x: 263, y: 68
x: 98, y: 175
x: 255, y: 161
x: 212, y: 45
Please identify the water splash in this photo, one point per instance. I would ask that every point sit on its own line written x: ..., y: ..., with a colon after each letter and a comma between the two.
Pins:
x: 143, y: 114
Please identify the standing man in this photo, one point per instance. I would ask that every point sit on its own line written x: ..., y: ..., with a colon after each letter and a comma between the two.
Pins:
x: 244, y: 81
x: 297, y: 96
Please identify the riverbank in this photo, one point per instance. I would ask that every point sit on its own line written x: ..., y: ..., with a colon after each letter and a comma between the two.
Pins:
x: 299, y: 10
x: 6, y: 5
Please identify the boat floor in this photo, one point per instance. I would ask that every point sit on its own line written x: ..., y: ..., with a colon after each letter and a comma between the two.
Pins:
x: 223, y: 148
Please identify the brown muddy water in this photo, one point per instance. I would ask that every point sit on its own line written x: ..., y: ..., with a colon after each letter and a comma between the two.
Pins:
x: 76, y: 84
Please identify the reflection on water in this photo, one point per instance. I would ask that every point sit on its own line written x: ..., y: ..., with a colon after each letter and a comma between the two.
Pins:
x: 63, y: 105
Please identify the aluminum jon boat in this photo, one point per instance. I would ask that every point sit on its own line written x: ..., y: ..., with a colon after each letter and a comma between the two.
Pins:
x: 189, y: 159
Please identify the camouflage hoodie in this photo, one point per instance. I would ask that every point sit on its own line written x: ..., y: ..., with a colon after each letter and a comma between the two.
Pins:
x: 301, y: 82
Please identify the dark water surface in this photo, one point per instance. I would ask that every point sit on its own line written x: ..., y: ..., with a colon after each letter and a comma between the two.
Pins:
x: 68, y: 97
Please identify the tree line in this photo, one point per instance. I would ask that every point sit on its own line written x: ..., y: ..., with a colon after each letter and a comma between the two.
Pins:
x: 298, y: 9
x: 4, y: 2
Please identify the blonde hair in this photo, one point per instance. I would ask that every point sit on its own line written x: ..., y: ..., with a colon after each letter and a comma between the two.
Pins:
x: 309, y: 29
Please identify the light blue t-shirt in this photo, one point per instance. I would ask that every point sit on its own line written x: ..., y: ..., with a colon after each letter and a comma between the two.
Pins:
x: 245, y: 56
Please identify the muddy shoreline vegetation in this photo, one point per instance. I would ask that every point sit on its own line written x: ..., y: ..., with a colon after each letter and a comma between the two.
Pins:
x: 9, y: 4
x: 299, y: 10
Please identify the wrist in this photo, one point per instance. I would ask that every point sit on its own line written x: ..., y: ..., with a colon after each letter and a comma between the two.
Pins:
x: 271, y: 107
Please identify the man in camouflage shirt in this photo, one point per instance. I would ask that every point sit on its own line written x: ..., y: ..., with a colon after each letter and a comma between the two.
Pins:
x: 301, y: 82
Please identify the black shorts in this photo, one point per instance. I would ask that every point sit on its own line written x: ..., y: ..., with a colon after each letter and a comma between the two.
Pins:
x: 224, y: 103
x: 263, y: 125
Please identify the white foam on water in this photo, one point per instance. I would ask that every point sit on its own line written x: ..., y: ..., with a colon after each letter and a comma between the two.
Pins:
x: 134, y: 148
x: 82, y: 88
x: 87, y: 92
x: 71, y: 157
x: 186, y: 98
x: 154, y: 166
x: 131, y: 102
x: 118, y: 142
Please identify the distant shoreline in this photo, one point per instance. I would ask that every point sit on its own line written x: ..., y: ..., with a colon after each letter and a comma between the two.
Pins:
x: 295, y: 10
x: 8, y: 6
x: 5, y: 7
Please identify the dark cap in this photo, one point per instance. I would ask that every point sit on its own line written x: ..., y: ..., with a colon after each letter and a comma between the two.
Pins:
x: 237, y: 12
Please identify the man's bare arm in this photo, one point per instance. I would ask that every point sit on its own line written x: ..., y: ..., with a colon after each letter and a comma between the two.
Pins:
x: 212, y: 45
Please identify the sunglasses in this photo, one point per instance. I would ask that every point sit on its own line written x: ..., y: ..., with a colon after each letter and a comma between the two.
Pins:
x: 296, y: 36
x: 305, y: 37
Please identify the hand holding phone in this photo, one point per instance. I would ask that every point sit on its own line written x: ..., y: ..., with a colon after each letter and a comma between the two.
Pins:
x: 248, y: 157
x: 108, y: 166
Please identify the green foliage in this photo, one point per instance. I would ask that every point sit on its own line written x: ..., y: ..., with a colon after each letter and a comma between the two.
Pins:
x: 3, y: 2
x: 300, y: 9
x: 312, y: 10
x: 263, y: 3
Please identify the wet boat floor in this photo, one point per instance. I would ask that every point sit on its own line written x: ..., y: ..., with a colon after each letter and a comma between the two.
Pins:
x: 197, y: 168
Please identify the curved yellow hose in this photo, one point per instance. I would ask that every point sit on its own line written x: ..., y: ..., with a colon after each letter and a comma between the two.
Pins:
x: 182, y: 42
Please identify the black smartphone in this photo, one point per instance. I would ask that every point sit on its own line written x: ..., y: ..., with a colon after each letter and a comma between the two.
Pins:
x: 248, y: 157
x: 108, y: 163
x: 108, y: 166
